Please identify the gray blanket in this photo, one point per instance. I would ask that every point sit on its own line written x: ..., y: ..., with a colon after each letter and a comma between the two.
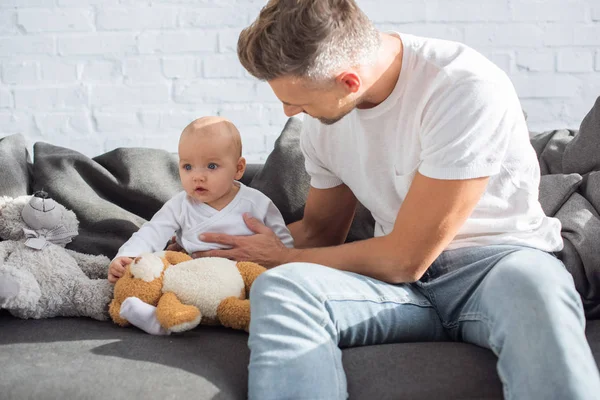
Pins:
x: 570, y: 191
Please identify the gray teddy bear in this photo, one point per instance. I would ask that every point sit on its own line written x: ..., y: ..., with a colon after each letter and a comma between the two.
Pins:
x: 39, y: 278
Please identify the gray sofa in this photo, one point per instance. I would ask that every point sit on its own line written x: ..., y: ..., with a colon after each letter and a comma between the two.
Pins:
x: 112, y: 194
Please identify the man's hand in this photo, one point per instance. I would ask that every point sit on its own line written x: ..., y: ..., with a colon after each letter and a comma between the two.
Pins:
x: 117, y: 268
x: 263, y: 248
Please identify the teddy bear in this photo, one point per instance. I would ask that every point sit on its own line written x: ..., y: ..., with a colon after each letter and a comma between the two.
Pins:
x: 40, y: 277
x: 188, y: 292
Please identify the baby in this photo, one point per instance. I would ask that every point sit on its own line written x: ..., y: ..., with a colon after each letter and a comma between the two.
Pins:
x: 213, y: 200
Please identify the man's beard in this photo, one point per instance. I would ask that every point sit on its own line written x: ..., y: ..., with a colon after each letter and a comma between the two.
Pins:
x: 331, y: 121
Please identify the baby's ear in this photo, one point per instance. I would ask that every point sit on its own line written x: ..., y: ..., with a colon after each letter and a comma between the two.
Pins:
x: 241, y: 168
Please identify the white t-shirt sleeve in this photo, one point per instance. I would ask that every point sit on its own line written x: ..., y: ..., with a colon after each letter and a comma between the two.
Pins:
x: 465, y: 130
x: 154, y: 234
x: 274, y: 220
x: 320, y: 176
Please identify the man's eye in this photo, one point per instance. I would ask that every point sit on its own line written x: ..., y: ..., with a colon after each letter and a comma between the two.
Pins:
x: 212, y: 166
x: 187, y: 167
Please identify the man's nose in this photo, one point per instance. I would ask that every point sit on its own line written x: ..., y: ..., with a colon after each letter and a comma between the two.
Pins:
x: 290, y: 111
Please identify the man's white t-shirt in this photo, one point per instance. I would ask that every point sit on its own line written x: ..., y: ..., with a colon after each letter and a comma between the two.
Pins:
x: 452, y: 115
x: 188, y: 218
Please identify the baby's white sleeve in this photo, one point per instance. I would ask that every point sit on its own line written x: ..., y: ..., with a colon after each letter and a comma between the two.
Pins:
x: 274, y: 220
x: 154, y: 234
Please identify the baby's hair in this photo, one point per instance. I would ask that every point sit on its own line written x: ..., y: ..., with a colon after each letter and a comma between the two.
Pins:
x: 216, y: 125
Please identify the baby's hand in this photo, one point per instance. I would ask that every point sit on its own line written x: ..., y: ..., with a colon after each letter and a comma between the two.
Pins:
x: 174, y: 246
x: 117, y: 268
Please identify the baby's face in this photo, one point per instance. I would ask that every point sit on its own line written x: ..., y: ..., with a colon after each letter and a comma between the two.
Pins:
x: 208, y: 165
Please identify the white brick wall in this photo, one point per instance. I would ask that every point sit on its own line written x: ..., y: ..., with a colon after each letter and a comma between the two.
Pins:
x: 98, y: 74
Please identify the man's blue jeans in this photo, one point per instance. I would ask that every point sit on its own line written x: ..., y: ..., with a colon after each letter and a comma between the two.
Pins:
x: 519, y: 302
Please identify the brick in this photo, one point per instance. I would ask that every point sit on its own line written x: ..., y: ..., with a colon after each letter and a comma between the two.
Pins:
x: 253, y: 140
x: 546, y: 85
x: 51, y: 97
x: 24, y: 72
x: 460, y: 11
x: 8, y: 23
x: 142, y: 70
x: 265, y: 94
x: 101, y: 71
x: 15, y: 122
x: 26, y: 3
x: 113, y: 121
x: 181, y: 67
x: 216, y: 91
x: 103, y: 44
x: 108, y: 95
x: 243, y: 114
x: 222, y: 66
x: 56, y: 20
x: 543, y: 110
x: 274, y: 115
x: 575, y: 61
x: 497, y: 35
x: 213, y: 17
x: 173, y: 120
x: 6, y: 100
x: 589, y: 92
x: 503, y: 60
x: 134, y: 19
x: 549, y: 10
x: 587, y: 35
x: 165, y: 141
x: 82, y: 3
x: 439, y: 31
x: 38, y: 45
x: 58, y: 71
x: 394, y: 11
x: 536, y: 61
x: 72, y: 124
x: 115, y: 140
x: 559, y: 34
x: 228, y: 39
x: 177, y: 42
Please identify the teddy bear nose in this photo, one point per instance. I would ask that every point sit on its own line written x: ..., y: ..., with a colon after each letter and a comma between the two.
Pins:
x: 41, y: 194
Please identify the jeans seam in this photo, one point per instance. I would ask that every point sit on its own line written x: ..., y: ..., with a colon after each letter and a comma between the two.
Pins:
x: 480, y: 317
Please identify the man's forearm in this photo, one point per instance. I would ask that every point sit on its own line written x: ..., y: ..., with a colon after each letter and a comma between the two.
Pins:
x: 306, y: 238
x: 375, y: 257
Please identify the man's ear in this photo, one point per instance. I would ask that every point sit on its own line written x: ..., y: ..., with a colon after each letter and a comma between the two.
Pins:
x: 350, y: 81
x: 241, y: 168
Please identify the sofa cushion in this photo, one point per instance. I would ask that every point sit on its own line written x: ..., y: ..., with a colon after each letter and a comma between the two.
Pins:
x: 82, y: 358
x: 14, y: 164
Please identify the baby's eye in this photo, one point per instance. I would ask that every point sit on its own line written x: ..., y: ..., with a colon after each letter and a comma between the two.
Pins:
x: 187, y: 167
x: 212, y: 166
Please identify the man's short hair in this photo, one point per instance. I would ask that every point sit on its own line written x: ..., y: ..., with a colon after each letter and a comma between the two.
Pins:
x: 308, y: 39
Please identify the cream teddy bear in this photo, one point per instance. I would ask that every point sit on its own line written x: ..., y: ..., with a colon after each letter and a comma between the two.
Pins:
x: 187, y: 292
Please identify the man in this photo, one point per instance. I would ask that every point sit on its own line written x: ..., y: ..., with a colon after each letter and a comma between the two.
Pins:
x: 430, y: 137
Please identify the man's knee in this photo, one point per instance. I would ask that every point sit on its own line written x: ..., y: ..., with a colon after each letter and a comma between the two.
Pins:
x: 284, y: 278
x: 533, y: 277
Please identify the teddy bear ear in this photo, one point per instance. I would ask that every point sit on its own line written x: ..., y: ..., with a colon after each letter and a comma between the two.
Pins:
x: 5, y: 200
